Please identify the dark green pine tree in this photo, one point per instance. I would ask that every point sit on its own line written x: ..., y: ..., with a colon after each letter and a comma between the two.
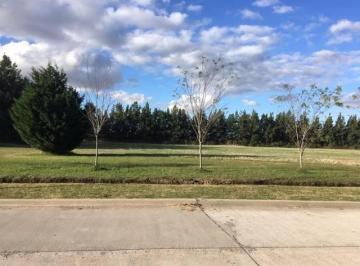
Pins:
x: 282, y: 132
x: 353, y: 132
x: 255, y: 131
x: 127, y: 125
x: 133, y: 113
x: 145, y: 123
x: 188, y: 132
x: 157, y: 125
x: 11, y: 85
x: 315, y: 133
x: 116, y: 124
x: 340, y: 131
x: 327, y: 134
x: 244, y: 129
x: 263, y: 122
x: 48, y: 115
x: 267, y: 124
x: 166, y: 126
x: 232, y: 128
x: 162, y: 126
x: 217, y: 132
x: 181, y: 127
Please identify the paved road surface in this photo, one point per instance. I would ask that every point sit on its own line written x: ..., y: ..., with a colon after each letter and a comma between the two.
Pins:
x: 178, y: 232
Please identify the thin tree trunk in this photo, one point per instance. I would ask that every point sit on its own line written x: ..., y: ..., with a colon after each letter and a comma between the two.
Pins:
x: 200, y: 155
x: 96, y: 151
x: 301, y: 153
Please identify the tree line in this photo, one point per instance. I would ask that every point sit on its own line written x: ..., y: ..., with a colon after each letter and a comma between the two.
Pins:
x: 136, y: 123
x: 42, y: 109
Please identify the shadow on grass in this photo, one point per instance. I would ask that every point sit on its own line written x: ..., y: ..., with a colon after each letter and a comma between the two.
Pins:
x: 129, y: 145
x: 13, y: 145
x: 103, y: 166
x: 110, y: 167
x: 166, y: 155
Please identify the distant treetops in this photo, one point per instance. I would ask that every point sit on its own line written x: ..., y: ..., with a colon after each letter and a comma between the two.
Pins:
x: 135, y: 123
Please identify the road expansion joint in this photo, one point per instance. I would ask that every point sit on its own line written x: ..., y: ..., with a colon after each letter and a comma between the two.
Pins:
x: 201, y: 207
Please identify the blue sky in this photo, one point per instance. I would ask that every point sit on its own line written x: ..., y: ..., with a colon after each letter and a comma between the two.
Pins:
x: 275, y: 41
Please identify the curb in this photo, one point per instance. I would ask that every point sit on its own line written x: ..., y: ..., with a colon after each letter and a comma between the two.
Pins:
x: 206, y: 203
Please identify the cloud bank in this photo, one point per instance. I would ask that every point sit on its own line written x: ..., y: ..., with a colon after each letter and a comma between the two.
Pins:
x: 154, y: 35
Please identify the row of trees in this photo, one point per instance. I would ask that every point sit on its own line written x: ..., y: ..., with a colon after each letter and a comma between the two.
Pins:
x: 135, y: 123
x: 50, y: 115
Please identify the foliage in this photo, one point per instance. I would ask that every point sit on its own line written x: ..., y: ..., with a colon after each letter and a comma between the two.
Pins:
x: 174, y: 126
x: 48, y: 115
x: 11, y: 85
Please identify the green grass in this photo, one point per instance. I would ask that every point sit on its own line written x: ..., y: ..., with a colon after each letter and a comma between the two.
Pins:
x: 49, y: 191
x: 177, y: 164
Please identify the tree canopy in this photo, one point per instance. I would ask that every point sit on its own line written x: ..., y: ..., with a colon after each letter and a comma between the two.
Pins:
x: 11, y: 85
x: 48, y: 115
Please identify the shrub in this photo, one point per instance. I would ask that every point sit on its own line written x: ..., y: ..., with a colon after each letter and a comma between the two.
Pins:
x: 48, y: 115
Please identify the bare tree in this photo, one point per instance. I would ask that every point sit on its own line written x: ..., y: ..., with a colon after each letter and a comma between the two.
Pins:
x: 306, y: 106
x: 202, y: 88
x: 98, y: 96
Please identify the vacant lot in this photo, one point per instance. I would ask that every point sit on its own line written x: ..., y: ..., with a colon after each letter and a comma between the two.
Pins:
x: 177, y: 164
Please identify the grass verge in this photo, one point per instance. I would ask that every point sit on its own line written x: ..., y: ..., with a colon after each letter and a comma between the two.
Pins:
x: 178, y: 164
x: 260, y: 192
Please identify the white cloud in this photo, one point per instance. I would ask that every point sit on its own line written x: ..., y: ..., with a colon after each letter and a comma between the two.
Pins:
x: 315, y: 23
x: 248, y: 14
x: 352, y: 99
x: 81, y: 28
x: 322, y: 67
x: 246, y: 50
x: 344, y: 31
x: 143, y: 2
x: 213, y: 34
x: 290, y: 26
x: 129, y: 98
x: 194, y: 8
x: 144, y: 18
x: 265, y: 3
x: 131, y: 58
x: 27, y: 55
x: 158, y: 42
x: 181, y: 103
x: 249, y: 102
x: 323, y: 19
x: 345, y: 24
x: 282, y: 9
x: 139, y: 34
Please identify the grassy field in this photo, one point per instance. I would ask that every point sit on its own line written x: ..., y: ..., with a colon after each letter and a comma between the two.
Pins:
x: 177, y: 164
x: 256, y: 192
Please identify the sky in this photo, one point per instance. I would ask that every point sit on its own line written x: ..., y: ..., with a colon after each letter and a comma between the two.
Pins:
x: 272, y: 42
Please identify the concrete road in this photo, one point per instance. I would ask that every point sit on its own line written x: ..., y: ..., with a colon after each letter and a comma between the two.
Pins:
x: 178, y: 232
